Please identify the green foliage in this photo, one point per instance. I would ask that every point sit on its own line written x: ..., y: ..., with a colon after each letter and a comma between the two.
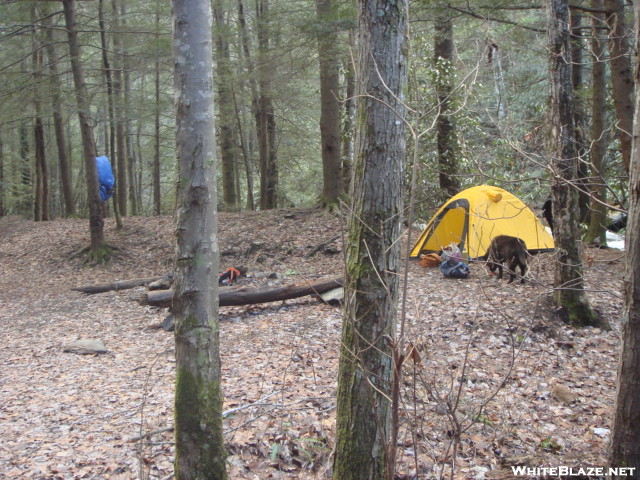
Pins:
x: 550, y: 445
x: 482, y: 418
x: 508, y: 151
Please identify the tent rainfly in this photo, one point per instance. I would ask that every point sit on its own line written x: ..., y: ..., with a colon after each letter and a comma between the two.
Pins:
x: 474, y: 216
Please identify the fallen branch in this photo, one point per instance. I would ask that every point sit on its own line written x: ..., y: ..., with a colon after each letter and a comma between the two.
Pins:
x: 249, y: 296
x: 119, y: 285
x: 320, y: 247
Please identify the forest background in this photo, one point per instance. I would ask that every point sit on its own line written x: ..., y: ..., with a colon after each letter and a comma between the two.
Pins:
x: 477, y: 94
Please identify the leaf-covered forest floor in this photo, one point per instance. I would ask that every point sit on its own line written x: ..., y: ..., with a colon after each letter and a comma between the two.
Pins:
x: 534, y: 391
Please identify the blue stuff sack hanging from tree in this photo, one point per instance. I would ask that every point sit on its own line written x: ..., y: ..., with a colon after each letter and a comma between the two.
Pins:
x: 105, y: 178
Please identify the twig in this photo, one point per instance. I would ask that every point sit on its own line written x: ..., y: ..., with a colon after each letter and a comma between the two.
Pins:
x: 150, y: 434
x: 226, y: 413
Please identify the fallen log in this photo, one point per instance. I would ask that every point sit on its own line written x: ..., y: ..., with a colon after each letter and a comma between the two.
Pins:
x: 119, y: 285
x: 249, y: 296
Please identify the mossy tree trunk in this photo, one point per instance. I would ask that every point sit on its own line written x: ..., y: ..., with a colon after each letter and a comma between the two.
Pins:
x: 200, y: 452
x: 569, y: 294
x: 372, y: 255
x: 624, y: 450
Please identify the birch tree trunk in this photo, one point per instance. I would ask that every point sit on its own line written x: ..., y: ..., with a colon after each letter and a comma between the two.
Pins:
x: 569, y: 294
x: 624, y: 450
x: 363, y: 423
x: 200, y: 451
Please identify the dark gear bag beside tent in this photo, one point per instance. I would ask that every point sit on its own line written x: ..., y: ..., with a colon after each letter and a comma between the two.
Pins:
x: 105, y: 178
x: 455, y: 269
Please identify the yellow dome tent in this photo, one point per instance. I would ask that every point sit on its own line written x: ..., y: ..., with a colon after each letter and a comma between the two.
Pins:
x: 474, y: 216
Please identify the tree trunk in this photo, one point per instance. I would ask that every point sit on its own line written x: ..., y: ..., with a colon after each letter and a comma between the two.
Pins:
x: 498, y: 77
x: 110, y: 124
x: 157, y: 204
x: 348, y: 116
x: 248, y: 150
x: 3, y: 205
x: 621, y: 75
x: 569, y: 295
x: 41, y: 197
x: 247, y: 154
x: 119, y: 159
x: 624, y: 450
x: 226, y: 117
x: 130, y: 158
x: 579, y: 117
x: 104, y: 44
x: 58, y: 122
x: 265, y: 114
x: 598, y: 216
x: 26, y: 180
x: 134, y: 173
x: 447, y: 139
x: 110, y: 132
x: 328, y: 57
x: 96, y: 222
x: 41, y: 203
x: 200, y: 451
x: 364, y: 447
